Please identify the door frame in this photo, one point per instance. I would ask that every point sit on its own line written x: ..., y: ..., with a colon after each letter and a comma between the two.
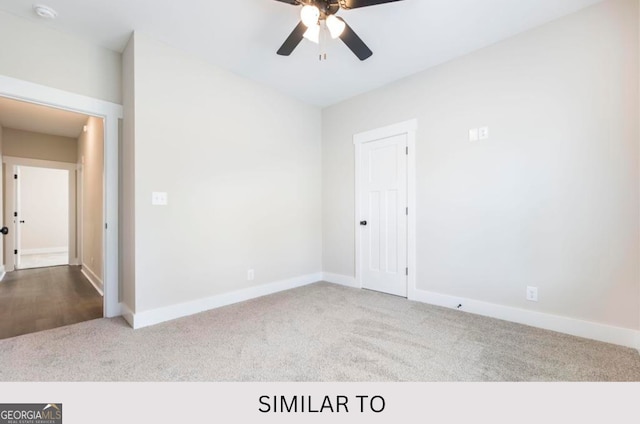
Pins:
x: 11, y: 202
x: 409, y: 128
x: 111, y: 113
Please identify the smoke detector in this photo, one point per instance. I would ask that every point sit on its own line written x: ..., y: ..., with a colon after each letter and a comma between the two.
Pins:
x: 44, y: 12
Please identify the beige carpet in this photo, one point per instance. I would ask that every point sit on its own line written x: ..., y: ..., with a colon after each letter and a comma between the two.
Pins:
x: 321, y: 332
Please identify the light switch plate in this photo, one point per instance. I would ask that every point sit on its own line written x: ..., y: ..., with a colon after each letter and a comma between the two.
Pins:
x: 159, y: 198
x: 473, y: 134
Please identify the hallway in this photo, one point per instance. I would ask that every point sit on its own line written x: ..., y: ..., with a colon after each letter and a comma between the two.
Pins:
x: 40, y: 299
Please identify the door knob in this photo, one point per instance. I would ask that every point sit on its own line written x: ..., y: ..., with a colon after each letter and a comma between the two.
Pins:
x: 4, y: 230
x: 22, y: 222
x: 363, y: 223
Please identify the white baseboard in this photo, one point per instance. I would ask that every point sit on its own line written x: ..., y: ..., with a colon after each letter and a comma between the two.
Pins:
x: 167, y: 313
x: 590, y: 330
x: 74, y: 262
x: 2, y: 272
x: 343, y: 280
x: 95, y: 281
x: 44, y: 250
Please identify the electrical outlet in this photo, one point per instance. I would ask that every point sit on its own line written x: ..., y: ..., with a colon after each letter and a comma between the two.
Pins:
x: 483, y: 133
x: 250, y: 275
x: 532, y: 294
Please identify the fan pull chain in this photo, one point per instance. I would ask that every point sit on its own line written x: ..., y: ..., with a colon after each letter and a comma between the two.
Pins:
x: 322, y: 44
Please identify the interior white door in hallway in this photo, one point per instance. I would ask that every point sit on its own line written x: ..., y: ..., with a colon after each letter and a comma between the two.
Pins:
x: 42, y: 219
x: 383, y: 210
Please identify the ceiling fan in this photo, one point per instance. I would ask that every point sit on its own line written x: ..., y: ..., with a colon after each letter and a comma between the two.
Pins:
x: 316, y: 12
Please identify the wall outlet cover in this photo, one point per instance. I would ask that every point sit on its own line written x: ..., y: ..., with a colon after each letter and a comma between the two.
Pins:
x: 159, y: 198
x: 532, y: 294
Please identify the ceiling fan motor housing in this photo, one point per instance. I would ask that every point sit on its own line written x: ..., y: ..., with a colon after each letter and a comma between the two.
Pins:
x: 326, y: 7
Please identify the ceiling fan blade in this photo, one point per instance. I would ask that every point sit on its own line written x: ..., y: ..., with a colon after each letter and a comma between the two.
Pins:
x: 294, y: 2
x: 293, y: 40
x: 355, y: 43
x: 354, y: 4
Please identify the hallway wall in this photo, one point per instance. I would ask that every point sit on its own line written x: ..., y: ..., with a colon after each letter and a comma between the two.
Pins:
x: 31, y: 145
x: 91, y: 158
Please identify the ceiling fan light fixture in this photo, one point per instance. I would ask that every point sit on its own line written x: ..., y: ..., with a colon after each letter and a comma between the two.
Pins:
x: 315, y: 13
x: 335, y: 25
x: 310, y: 15
x: 313, y: 33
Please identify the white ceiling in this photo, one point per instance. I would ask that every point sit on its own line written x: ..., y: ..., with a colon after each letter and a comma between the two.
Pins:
x: 41, y: 119
x: 243, y: 35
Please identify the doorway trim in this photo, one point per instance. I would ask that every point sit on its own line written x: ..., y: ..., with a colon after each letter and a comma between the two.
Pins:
x: 111, y: 113
x: 409, y: 128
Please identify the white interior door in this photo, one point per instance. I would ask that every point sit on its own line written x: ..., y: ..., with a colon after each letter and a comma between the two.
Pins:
x: 383, y: 206
x: 42, y: 217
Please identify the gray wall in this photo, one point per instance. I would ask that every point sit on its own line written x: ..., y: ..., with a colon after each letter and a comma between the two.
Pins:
x: 34, y: 52
x: 242, y: 167
x: 550, y: 200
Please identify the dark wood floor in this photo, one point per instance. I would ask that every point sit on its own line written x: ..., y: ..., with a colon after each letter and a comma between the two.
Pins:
x: 39, y: 299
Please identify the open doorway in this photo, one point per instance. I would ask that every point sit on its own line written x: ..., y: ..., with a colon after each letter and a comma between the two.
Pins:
x: 110, y: 114
x: 53, y: 200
